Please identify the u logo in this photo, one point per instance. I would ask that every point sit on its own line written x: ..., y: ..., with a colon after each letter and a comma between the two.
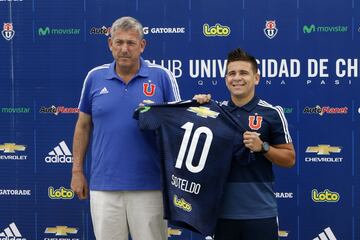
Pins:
x: 255, y: 122
x: 149, y: 89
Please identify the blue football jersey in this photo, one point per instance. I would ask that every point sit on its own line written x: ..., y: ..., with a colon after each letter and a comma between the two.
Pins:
x: 197, y: 144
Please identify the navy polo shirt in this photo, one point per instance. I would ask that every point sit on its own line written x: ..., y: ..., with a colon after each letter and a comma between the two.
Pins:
x: 122, y: 156
x: 249, y: 192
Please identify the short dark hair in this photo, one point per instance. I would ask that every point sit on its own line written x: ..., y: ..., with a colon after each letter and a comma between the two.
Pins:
x: 240, y: 55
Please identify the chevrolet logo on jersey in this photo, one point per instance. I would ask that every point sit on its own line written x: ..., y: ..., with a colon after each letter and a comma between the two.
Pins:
x: 203, y: 112
x: 173, y: 232
x: 323, y: 149
x: 282, y: 233
x: 11, y: 147
x: 61, y: 230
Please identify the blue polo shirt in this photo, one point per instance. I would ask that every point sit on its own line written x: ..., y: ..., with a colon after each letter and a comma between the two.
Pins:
x: 122, y: 156
x: 249, y: 192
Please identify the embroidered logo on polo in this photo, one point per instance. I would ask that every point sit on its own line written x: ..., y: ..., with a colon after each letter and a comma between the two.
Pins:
x: 149, y: 89
x: 104, y: 91
x: 255, y: 122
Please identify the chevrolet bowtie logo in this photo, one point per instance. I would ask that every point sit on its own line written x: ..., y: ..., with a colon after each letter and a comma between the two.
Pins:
x: 11, y: 147
x: 323, y: 149
x: 203, y: 112
x: 173, y: 232
x: 61, y: 230
x: 282, y: 233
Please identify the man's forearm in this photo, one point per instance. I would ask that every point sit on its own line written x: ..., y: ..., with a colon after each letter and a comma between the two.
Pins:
x: 282, y: 155
x: 80, y: 145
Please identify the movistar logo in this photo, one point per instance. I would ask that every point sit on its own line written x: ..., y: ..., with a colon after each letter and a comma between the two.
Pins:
x: 309, y: 29
x: 327, y: 29
x: 44, y: 31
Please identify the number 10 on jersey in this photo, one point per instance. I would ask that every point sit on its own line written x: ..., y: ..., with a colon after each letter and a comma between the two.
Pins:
x: 195, y: 138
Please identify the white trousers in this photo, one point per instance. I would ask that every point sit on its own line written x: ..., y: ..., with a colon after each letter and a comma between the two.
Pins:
x: 115, y: 214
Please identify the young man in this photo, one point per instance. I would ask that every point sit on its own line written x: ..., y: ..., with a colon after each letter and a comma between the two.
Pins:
x: 249, y: 209
x: 125, y: 194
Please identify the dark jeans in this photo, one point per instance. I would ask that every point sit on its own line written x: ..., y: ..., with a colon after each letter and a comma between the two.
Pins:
x: 248, y: 229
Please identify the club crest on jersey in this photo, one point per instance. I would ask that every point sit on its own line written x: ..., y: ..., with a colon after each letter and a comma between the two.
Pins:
x: 149, y: 89
x: 255, y: 122
x: 203, y: 112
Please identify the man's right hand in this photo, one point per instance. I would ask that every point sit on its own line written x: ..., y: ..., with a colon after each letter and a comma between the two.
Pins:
x: 202, y: 98
x: 79, y: 184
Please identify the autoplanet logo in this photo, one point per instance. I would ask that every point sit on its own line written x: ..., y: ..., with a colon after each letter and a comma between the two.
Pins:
x: 325, y: 109
x: 307, y: 29
x: 100, y: 31
x: 57, y: 110
x: 57, y: 31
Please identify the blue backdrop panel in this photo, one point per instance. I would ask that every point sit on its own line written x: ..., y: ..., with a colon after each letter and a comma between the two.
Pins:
x: 308, y: 55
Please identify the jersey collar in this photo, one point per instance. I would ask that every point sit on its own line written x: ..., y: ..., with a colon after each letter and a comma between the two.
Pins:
x: 247, y: 107
x: 143, y: 71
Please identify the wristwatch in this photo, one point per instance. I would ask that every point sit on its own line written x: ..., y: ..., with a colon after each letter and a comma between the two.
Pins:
x: 265, y: 147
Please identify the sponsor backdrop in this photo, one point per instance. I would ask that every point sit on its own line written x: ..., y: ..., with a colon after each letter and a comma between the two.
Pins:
x: 308, y: 56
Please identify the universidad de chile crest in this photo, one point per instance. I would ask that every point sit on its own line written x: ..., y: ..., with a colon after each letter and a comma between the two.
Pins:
x: 8, y: 31
x: 270, y: 29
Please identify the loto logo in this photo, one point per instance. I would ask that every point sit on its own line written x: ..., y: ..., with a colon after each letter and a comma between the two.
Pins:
x: 61, y: 193
x: 217, y: 30
x: 309, y: 29
x: 325, y: 196
x: 181, y: 203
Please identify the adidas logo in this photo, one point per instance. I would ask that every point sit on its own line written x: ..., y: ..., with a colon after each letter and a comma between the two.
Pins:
x: 104, y: 91
x: 327, y: 234
x: 11, y: 233
x: 60, y: 154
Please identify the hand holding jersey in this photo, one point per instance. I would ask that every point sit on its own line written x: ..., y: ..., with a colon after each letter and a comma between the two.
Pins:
x: 197, y: 145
